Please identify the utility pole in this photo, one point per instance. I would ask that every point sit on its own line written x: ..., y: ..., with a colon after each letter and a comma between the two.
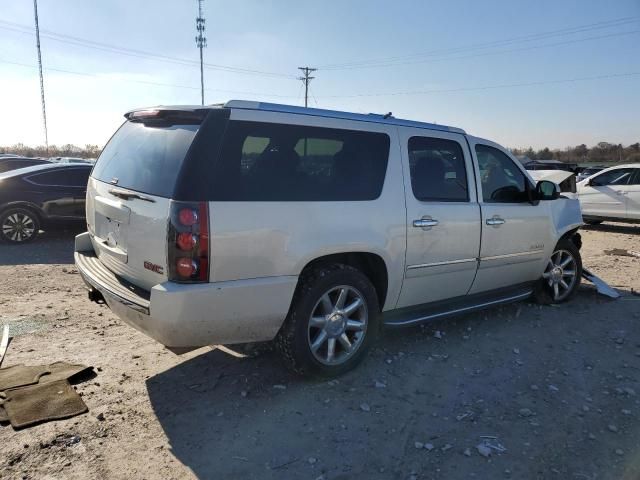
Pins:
x: 306, y: 79
x: 201, y: 42
x: 44, y: 110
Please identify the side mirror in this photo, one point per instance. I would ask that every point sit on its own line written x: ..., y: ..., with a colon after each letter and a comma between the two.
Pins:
x: 593, y: 183
x: 546, y: 190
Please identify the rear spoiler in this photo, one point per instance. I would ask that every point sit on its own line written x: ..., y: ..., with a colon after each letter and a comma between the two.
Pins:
x: 167, y: 116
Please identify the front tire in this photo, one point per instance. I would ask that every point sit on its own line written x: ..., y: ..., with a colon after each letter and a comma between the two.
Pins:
x: 562, y: 274
x: 18, y: 225
x: 333, y: 321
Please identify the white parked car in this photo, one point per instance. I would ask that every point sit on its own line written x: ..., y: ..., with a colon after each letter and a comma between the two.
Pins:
x: 251, y: 221
x: 612, y: 194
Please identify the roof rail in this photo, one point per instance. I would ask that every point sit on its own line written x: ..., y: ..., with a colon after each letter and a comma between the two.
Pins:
x: 319, y: 112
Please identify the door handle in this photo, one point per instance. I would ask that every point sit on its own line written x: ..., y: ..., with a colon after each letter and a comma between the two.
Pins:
x: 425, y: 222
x: 495, y: 221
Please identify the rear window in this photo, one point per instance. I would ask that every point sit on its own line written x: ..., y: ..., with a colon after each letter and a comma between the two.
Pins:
x: 145, y: 158
x: 276, y: 162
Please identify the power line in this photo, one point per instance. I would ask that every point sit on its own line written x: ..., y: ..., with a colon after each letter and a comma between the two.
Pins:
x: 85, y: 43
x: 486, y: 87
x: 306, y: 80
x: 201, y: 42
x: 144, y: 82
x: 496, y: 43
x: 44, y: 110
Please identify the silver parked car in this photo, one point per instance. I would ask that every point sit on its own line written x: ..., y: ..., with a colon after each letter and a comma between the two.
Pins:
x: 251, y: 221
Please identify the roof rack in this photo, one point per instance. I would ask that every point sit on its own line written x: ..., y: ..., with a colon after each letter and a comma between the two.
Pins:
x: 319, y: 112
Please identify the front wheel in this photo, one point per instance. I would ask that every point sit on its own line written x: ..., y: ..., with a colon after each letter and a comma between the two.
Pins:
x: 333, y: 320
x: 562, y: 274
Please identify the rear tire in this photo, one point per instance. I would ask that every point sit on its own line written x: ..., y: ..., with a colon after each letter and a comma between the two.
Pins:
x: 562, y: 275
x: 593, y: 222
x: 18, y: 225
x: 333, y: 321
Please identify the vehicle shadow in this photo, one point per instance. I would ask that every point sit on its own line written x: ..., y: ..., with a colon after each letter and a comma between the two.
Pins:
x: 53, y: 246
x: 630, y: 229
x: 228, y: 417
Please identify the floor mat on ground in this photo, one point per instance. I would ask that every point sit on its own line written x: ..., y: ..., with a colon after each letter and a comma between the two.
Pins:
x: 43, y: 402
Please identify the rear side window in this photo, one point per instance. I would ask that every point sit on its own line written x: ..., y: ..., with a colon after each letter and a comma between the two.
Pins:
x: 276, y: 162
x: 63, y: 177
x: 438, y: 172
x: 145, y: 158
x: 502, y: 180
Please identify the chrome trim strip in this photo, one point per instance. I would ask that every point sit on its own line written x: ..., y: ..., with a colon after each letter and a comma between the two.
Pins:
x: 464, y: 309
x: 438, y: 264
x: 510, y: 255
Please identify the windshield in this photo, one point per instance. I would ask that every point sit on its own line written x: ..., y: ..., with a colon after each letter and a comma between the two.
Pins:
x: 145, y: 158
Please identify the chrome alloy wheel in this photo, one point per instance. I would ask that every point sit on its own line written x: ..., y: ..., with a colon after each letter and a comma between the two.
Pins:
x: 18, y: 227
x: 560, y: 274
x: 338, y: 325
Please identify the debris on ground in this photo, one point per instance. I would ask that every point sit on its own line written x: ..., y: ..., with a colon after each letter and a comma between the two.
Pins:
x: 622, y: 252
x: 601, y: 286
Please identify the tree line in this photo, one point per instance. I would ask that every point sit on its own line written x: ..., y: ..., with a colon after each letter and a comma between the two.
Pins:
x: 69, y: 150
x: 603, y: 152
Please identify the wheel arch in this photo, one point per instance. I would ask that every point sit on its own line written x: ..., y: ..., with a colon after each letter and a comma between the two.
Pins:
x: 32, y: 207
x: 371, y: 264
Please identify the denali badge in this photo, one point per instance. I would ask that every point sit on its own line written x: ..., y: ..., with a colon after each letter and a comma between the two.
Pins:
x: 153, y: 267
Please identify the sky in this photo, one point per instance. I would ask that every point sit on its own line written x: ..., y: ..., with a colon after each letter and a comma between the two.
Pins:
x: 546, y: 73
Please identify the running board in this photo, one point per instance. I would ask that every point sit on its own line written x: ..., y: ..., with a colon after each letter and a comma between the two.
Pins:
x: 415, y: 315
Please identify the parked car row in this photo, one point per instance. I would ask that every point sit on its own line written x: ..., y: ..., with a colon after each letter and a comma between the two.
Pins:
x: 40, y: 196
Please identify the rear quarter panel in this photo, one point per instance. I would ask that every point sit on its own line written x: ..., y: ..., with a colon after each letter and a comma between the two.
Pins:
x: 263, y: 239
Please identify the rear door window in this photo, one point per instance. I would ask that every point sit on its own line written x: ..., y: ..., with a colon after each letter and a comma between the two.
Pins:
x: 63, y: 177
x: 438, y: 173
x: 276, y: 162
x: 145, y: 158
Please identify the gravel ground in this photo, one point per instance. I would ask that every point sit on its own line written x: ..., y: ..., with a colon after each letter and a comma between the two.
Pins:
x: 522, y: 391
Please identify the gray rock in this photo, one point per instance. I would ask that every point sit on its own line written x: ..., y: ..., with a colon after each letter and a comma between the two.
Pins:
x: 534, y: 387
x: 525, y: 412
x: 585, y: 408
x: 516, y: 351
x: 280, y: 387
x: 437, y: 334
x: 429, y: 446
x: 619, y: 451
x: 612, y: 428
x: 553, y: 388
x: 484, y: 450
x: 467, y: 452
x: 447, y: 447
x: 626, y: 412
x: 365, y: 407
x: 418, y: 445
x: 380, y: 384
x: 312, y: 460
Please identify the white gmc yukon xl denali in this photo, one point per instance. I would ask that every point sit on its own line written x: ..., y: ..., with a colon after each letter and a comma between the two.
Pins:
x: 249, y: 222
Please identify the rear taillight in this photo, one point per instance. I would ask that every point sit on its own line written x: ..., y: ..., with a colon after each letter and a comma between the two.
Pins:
x: 188, y: 242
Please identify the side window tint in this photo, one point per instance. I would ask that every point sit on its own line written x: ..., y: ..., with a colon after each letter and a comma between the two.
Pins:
x: 635, y: 179
x: 437, y: 169
x: 277, y: 162
x: 619, y: 176
x: 502, y: 180
x: 75, y: 177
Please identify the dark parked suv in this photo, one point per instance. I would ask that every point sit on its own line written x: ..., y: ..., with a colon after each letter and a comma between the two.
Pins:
x: 41, y: 196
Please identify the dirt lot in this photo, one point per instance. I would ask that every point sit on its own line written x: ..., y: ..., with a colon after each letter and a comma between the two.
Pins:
x: 557, y: 387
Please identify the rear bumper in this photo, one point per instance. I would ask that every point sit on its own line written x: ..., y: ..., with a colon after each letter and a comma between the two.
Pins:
x: 184, y: 316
